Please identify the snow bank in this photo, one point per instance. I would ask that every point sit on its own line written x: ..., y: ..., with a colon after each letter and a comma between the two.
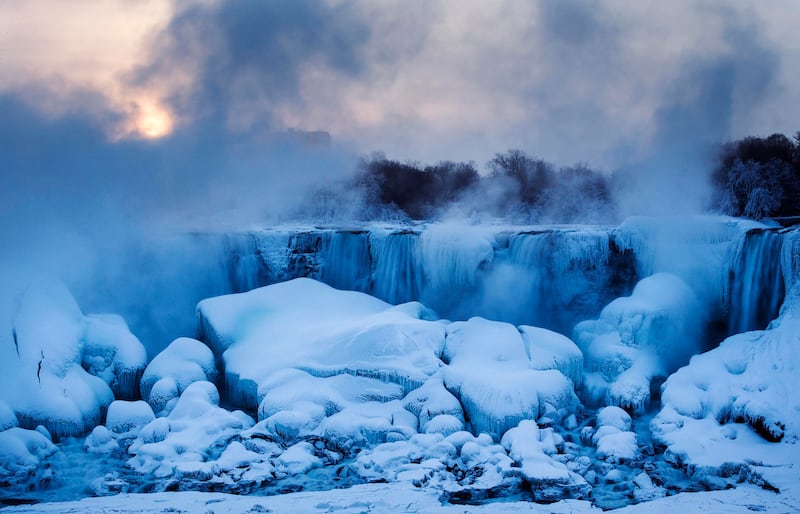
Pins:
x: 350, y: 370
x: 52, y: 389
x: 180, y: 364
x: 639, y: 337
x: 304, y: 324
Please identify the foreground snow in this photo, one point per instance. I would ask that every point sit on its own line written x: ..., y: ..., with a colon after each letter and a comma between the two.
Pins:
x: 402, y: 497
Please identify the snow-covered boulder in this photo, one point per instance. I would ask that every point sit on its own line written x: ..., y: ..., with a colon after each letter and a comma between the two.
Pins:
x: 101, y: 440
x: 51, y: 387
x: 490, y: 372
x: 125, y: 417
x: 66, y: 367
x: 615, y: 440
x: 113, y: 353
x: 21, y: 452
x: 549, y: 479
x: 180, y: 446
x: 640, y: 337
x: 180, y: 364
x: 307, y: 325
x: 551, y: 350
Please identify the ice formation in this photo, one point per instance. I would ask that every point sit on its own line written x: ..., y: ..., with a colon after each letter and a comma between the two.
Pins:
x: 727, y: 402
x: 640, y: 337
x: 68, y: 366
x: 21, y: 452
x: 180, y: 364
x: 344, y: 385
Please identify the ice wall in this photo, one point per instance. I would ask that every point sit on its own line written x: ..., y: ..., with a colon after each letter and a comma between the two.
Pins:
x: 549, y: 276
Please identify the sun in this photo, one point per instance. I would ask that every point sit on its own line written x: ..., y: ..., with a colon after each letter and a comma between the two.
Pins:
x: 153, y: 121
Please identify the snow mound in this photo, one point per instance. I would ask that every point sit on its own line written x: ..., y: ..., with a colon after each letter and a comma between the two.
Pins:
x: 638, y: 338
x: 615, y: 441
x: 21, y: 452
x: 180, y: 364
x: 490, y: 372
x: 551, y: 350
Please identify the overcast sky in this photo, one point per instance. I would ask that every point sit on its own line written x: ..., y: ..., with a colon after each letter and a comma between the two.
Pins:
x: 606, y: 82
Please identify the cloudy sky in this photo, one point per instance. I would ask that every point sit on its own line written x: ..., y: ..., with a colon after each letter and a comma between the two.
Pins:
x: 605, y: 82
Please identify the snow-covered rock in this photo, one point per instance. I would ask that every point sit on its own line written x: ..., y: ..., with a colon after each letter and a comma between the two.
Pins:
x: 196, y: 426
x: 66, y: 367
x: 113, y: 353
x: 124, y: 417
x: 548, y: 478
x: 180, y: 364
x: 51, y: 387
x: 307, y: 325
x: 490, y: 372
x: 21, y: 452
x: 639, y: 337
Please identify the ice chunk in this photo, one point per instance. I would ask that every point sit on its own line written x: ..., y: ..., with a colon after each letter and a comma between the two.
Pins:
x: 181, y: 363
x: 636, y: 338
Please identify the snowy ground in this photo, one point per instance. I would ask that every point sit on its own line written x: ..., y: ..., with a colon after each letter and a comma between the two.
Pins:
x: 401, y: 497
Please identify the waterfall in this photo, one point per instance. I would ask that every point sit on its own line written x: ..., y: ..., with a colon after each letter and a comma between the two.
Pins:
x: 757, y: 285
x: 395, y: 273
x: 346, y: 260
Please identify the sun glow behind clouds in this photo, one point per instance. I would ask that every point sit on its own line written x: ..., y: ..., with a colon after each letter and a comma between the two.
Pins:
x: 152, y: 121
